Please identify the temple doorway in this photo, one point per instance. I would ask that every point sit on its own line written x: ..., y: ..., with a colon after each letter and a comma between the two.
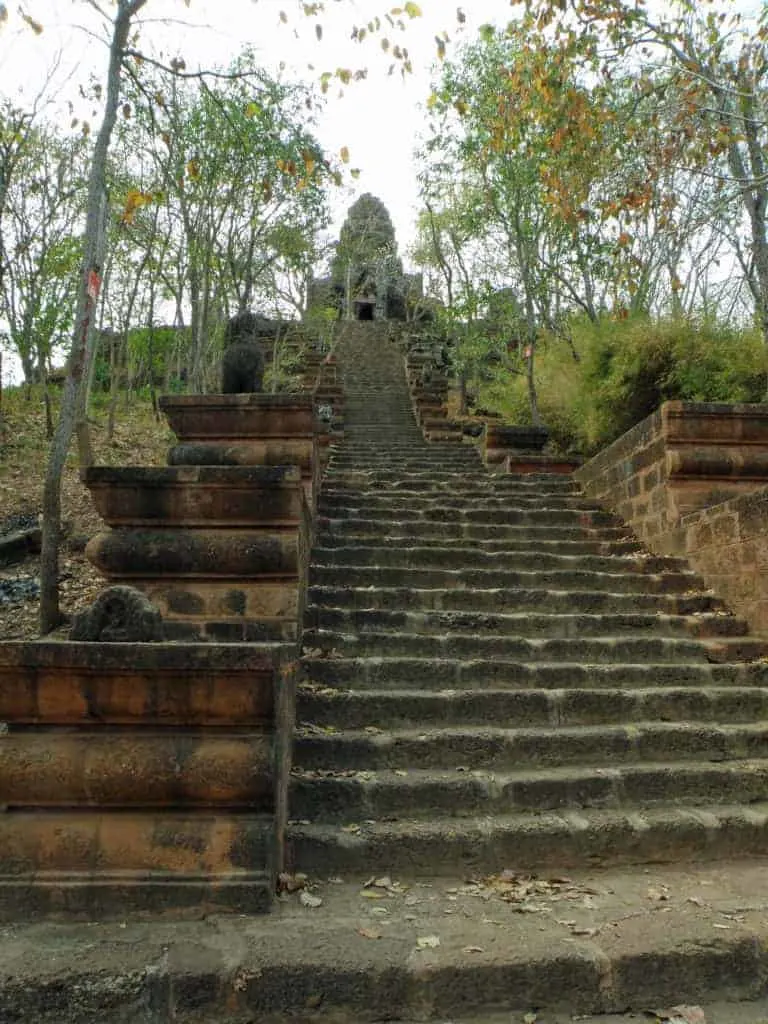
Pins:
x: 365, y: 310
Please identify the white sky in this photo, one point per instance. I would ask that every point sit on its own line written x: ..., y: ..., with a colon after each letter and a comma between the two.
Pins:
x: 379, y: 120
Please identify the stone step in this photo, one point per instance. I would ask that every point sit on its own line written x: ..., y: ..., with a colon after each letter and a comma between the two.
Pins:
x: 498, y: 600
x: 521, y: 624
x: 415, y: 528
x: 457, y: 498
x: 503, y: 516
x: 413, y: 475
x: 496, y: 673
x: 469, y: 750
x: 466, y: 847
x: 425, y: 793
x: 593, y: 650
x: 504, y: 947
x: 456, y: 494
x: 384, y: 537
x: 486, y: 579
x: 386, y: 709
x: 385, y: 555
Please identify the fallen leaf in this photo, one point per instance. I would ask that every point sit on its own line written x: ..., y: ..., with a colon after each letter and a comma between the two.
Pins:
x: 369, y: 933
x: 530, y: 1018
x: 473, y: 949
x: 681, y: 1015
x: 372, y: 894
x: 589, y: 932
x: 428, y: 942
x: 307, y: 899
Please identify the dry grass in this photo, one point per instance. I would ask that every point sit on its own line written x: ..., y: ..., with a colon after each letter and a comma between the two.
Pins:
x: 139, y: 439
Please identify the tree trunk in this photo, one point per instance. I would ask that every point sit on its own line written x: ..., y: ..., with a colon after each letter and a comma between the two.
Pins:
x: 81, y: 352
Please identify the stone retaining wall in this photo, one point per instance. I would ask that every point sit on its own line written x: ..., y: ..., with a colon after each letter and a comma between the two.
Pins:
x: 691, y: 482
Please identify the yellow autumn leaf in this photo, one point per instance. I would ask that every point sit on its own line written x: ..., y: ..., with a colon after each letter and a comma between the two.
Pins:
x: 344, y: 154
x: 193, y: 169
x: 36, y: 27
x: 134, y: 200
x: 412, y: 10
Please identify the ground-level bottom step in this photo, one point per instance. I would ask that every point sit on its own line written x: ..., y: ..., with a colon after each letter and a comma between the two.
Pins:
x: 392, y: 948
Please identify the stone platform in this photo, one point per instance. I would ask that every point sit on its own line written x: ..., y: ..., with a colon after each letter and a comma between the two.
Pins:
x: 600, y: 942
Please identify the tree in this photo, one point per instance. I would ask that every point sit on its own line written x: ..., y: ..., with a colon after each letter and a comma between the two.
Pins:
x: 232, y: 163
x: 97, y: 208
x: 43, y: 214
x: 708, y: 92
x: 81, y: 352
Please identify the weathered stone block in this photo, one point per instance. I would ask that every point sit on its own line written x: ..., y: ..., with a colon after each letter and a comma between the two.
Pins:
x: 188, y: 496
x: 230, y: 417
x: 128, y: 553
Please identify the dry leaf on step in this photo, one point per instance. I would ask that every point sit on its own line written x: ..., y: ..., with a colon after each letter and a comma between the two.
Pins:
x: 307, y: 899
x: 681, y: 1015
x: 369, y: 933
x: 428, y: 942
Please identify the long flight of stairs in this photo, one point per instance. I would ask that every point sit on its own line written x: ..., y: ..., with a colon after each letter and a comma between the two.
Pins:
x: 496, y: 674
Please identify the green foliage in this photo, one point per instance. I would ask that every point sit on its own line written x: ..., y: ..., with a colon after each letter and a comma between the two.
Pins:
x: 626, y: 369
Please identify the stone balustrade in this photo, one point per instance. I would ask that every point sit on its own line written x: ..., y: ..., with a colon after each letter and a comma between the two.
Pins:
x: 215, y: 548
x: 141, y: 777
x: 153, y: 775
x: 691, y: 481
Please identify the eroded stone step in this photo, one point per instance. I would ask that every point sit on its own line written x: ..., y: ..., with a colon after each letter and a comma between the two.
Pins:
x: 596, y: 649
x: 413, y: 476
x: 386, y: 555
x: 495, y: 673
x: 505, y: 600
x: 453, y: 494
x: 385, y: 537
x: 469, y: 792
x: 486, y: 579
x: 455, y: 846
x: 385, y: 709
x: 502, y: 516
x: 458, y: 497
x: 416, y: 529
x: 425, y: 745
x: 522, y: 624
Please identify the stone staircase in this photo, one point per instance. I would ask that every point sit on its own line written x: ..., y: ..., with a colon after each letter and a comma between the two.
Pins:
x: 497, y: 675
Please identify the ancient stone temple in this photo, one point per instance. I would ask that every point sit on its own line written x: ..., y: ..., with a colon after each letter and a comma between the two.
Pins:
x: 367, y: 281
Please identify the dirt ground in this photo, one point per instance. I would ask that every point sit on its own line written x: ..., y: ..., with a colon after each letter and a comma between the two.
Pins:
x: 139, y: 440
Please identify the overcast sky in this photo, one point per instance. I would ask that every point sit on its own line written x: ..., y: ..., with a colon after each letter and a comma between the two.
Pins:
x: 379, y: 120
